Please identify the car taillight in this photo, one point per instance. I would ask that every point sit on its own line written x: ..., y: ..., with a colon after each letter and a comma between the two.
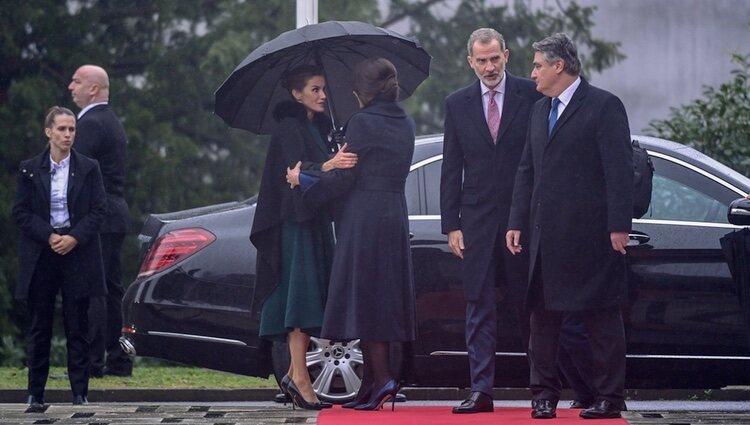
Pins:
x: 173, y: 247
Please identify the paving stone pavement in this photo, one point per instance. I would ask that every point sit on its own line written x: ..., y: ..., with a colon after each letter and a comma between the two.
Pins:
x: 270, y: 413
x: 146, y: 414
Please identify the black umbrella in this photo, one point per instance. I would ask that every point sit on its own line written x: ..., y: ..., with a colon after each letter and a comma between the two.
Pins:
x: 246, y: 99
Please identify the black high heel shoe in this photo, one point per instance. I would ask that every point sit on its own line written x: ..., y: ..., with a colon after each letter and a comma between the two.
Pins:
x: 299, y: 401
x: 359, y: 398
x: 388, y: 392
x: 284, y: 386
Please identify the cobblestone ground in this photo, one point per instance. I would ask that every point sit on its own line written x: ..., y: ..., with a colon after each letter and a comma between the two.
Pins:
x: 269, y: 413
x: 146, y: 414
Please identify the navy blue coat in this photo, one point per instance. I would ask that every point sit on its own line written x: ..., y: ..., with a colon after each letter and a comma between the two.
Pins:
x: 371, y: 293
x: 86, y: 206
x: 476, y: 183
x: 100, y: 135
x: 572, y: 189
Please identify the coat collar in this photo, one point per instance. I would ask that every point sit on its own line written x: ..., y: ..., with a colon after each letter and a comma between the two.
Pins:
x: 79, y: 168
x: 576, y: 101
x: 384, y: 108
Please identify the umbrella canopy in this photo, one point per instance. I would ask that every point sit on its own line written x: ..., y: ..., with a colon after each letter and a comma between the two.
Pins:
x: 247, y: 97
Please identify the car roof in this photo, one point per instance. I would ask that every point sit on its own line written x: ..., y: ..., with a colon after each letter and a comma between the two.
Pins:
x: 431, y: 145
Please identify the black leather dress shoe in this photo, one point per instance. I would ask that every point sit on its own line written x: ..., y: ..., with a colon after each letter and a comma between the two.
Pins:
x: 478, y: 402
x: 80, y: 400
x: 581, y: 404
x: 543, y: 409
x: 36, y: 405
x: 602, y: 409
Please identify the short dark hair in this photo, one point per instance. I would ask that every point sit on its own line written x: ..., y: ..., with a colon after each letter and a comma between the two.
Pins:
x: 53, y: 112
x: 297, y: 78
x: 560, y: 47
x: 376, y: 78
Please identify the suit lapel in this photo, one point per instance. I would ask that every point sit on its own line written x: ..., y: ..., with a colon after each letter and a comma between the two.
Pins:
x: 510, y: 105
x: 74, y: 174
x: 475, y: 110
x: 575, y: 103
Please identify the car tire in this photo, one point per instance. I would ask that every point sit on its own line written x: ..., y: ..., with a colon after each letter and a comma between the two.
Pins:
x: 335, y: 367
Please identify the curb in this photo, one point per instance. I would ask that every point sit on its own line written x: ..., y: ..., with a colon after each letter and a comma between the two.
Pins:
x: 136, y: 395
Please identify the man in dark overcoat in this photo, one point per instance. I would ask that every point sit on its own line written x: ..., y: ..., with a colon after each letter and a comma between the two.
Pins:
x: 101, y: 136
x: 573, y: 191
x: 485, y: 130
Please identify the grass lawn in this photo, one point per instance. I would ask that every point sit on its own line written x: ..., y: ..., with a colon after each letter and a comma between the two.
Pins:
x: 143, y: 377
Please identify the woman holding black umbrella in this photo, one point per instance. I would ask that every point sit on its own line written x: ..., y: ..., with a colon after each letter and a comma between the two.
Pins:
x: 372, y: 289
x: 295, y: 242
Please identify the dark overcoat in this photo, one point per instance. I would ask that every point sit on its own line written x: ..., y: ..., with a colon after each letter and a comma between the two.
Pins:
x: 371, y: 293
x: 86, y: 207
x: 277, y: 203
x: 100, y: 135
x: 477, y: 177
x: 574, y: 188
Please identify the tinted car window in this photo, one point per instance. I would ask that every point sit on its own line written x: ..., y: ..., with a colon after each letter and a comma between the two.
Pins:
x: 413, y: 204
x: 432, y: 187
x: 682, y: 194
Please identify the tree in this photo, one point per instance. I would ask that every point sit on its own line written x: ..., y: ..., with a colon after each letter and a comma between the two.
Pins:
x: 445, y: 37
x: 166, y: 58
x: 717, y: 124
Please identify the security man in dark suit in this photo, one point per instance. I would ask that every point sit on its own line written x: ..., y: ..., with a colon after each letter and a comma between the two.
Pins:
x: 485, y: 130
x: 101, y: 136
x: 574, y: 190
x: 59, y: 206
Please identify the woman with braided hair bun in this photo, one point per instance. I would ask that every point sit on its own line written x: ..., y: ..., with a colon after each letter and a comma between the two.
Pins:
x: 371, y: 292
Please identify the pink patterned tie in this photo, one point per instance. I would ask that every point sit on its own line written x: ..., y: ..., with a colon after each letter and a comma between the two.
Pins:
x: 493, y: 116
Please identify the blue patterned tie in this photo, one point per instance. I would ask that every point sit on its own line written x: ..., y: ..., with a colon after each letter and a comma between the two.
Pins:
x: 552, y: 115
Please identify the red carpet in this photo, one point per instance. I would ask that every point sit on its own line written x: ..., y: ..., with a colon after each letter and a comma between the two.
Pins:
x: 441, y: 415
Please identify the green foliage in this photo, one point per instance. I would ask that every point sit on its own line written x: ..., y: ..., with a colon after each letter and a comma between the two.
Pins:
x: 445, y: 37
x: 718, y: 124
x: 166, y: 58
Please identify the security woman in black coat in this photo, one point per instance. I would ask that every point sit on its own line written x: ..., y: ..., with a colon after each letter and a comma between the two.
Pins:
x: 371, y: 293
x: 59, y: 206
x: 295, y: 242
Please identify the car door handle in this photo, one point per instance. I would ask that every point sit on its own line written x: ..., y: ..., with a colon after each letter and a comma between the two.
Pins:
x: 411, y: 235
x: 638, y: 238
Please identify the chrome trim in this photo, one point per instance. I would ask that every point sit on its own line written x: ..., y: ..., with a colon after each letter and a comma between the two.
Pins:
x: 632, y: 356
x: 687, y: 223
x: 464, y: 353
x: 424, y: 162
x: 739, y: 211
x: 196, y: 337
x: 424, y: 217
x: 698, y: 170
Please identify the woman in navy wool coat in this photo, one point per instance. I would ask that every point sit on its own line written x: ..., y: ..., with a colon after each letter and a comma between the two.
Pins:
x: 371, y: 293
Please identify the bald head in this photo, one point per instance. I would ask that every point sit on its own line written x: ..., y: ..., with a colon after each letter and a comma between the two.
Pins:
x: 90, y: 84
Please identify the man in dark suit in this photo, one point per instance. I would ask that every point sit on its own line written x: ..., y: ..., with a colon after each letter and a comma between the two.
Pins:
x: 100, y: 135
x: 574, y: 192
x: 485, y: 129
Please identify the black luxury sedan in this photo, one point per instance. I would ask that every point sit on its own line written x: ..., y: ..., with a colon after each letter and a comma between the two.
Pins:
x: 684, y: 323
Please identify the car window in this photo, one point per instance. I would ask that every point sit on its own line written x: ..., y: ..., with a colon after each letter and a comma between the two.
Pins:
x: 682, y: 194
x: 413, y: 193
x: 432, y: 187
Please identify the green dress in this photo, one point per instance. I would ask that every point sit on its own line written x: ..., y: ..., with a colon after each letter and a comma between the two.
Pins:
x: 307, y: 252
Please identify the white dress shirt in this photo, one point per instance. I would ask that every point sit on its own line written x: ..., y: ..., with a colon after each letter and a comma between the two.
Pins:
x: 86, y: 109
x: 565, y: 97
x: 59, y: 216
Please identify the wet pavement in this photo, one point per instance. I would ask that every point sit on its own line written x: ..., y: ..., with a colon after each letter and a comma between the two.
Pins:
x: 260, y: 413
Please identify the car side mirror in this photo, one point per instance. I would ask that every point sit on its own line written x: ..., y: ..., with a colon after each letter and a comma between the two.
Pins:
x: 739, y: 212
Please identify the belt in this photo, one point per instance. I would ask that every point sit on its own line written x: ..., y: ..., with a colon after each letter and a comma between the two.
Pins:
x: 61, y: 230
x: 381, y: 184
